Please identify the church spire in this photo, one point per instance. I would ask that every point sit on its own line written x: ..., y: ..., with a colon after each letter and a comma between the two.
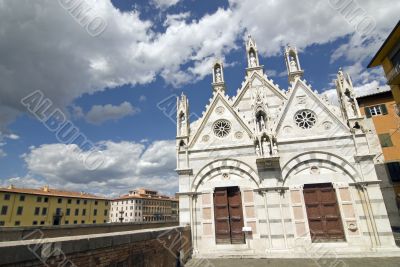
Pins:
x: 348, y: 102
x: 253, y: 63
x: 293, y: 64
x: 182, y: 118
x: 218, y: 83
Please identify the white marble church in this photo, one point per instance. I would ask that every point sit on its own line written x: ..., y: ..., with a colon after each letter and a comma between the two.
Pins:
x: 274, y: 173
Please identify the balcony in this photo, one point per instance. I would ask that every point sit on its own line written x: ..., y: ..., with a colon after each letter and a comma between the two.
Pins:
x: 393, y: 76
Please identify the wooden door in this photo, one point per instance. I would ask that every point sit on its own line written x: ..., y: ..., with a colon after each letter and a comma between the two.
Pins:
x: 228, y: 215
x: 235, y: 215
x: 221, y: 216
x: 323, y: 213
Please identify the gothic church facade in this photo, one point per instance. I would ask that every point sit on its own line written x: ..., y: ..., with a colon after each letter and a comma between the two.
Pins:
x: 268, y: 171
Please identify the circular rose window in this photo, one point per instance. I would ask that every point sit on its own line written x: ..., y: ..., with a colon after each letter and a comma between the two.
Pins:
x: 305, y: 119
x: 222, y: 128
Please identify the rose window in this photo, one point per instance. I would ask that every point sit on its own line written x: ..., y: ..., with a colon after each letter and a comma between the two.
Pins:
x: 305, y: 119
x: 222, y: 128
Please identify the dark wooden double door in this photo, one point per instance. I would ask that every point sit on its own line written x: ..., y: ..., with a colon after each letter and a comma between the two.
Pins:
x: 323, y: 213
x: 228, y: 216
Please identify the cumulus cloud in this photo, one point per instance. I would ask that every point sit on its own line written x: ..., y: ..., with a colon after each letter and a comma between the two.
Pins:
x: 99, y: 114
x: 71, y: 62
x: 126, y: 165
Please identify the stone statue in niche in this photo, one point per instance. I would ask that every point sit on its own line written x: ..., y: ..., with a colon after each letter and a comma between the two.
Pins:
x: 258, y: 150
x: 218, y: 76
x: 274, y: 149
x: 183, y: 124
x: 253, y: 60
x: 262, y: 123
x: 266, y: 147
x: 293, y: 64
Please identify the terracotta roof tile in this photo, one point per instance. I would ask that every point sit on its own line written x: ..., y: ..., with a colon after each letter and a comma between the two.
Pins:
x: 52, y: 192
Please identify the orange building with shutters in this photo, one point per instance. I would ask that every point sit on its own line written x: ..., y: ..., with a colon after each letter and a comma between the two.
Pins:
x: 379, y: 106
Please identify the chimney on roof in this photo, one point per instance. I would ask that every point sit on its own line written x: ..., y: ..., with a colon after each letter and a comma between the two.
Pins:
x: 46, y: 188
x: 11, y: 186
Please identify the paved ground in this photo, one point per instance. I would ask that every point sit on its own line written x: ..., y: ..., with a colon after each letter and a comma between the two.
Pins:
x: 363, y: 262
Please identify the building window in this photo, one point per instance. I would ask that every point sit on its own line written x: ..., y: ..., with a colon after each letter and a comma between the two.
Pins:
x: 96, y: 202
x: 221, y: 128
x: 59, y: 200
x: 106, y: 203
x: 105, y: 212
x: 69, y: 201
x: 66, y: 222
x: 37, y: 211
x: 85, y: 202
x: 68, y: 212
x: 22, y: 198
x: 76, y: 212
x: 2, y: 223
x: 84, y: 212
x: 34, y: 223
x: 385, y: 140
x: 17, y: 223
x: 78, y: 201
x: 58, y: 211
x: 7, y: 197
x: 376, y: 110
x: 39, y: 199
x: 305, y: 119
x: 394, y: 171
x: 44, y: 211
x: 19, y: 210
x: 75, y: 222
x: 95, y: 212
x: 46, y: 199
x: 83, y: 221
x: 41, y: 222
x: 4, y: 210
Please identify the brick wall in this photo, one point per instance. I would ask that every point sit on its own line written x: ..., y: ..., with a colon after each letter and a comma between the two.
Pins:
x: 141, y: 248
x: 24, y: 233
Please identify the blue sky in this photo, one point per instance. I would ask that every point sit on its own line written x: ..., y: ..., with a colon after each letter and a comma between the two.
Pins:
x: 109, y: 85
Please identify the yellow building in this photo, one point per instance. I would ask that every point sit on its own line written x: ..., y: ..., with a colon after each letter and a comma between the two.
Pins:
x: 48, y: 206
x: 388, y: 56
x: 379, y: 107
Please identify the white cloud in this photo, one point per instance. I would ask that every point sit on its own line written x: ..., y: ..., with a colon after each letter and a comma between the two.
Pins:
x: 3, y: 141
x: 126, y: 165
x: 99, y: 114
x: 164, y: 4
x: 71, y: 63
x: 13, y: 136
x: 271, y: 73
x: 142, y: 98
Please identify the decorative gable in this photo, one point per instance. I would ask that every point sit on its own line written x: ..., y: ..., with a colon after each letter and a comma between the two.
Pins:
x: 220, y: 127
x: 306, y: 115
x: 244, y: 101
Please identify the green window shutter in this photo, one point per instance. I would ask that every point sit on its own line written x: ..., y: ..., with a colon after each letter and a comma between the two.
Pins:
x: 384, y: 109
x: 385, y: 140
x: 367, y: 112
